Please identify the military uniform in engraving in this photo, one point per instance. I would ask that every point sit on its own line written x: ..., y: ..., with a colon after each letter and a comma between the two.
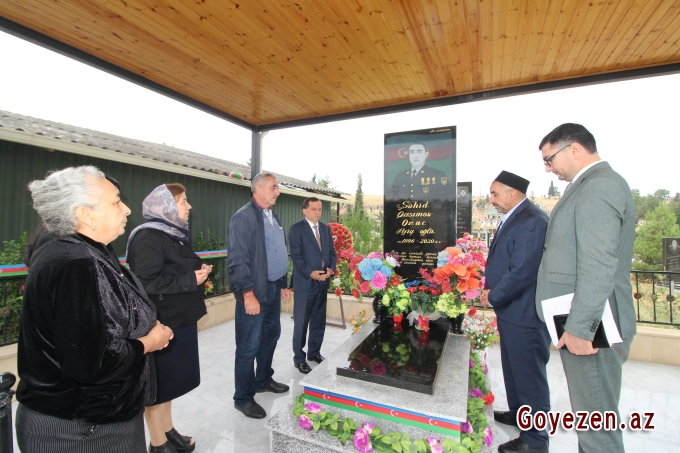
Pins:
x: 427, y: 184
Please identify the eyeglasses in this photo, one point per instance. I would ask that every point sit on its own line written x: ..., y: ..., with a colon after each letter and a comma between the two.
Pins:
x: 548, y: 160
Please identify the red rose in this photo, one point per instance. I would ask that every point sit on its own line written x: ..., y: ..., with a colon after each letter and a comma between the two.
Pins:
x: 338, y: 292
x: 412, y: 289
x: 488, y: 398
x: 355, y: 293
x: 365, y: 360
x: 472, y: 311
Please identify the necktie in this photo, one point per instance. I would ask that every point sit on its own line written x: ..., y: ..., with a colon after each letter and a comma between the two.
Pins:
x: 318, y: 240
x: 414, y: 173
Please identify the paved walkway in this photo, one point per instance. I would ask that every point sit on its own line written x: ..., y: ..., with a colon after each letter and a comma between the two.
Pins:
x: 208, y: 414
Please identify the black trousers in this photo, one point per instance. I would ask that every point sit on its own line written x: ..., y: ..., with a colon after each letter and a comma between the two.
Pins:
x: 310, y: 314
x: 40, y: 433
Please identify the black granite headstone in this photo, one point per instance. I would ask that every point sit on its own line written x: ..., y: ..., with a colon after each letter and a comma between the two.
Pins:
x: 397, y: 355
x: 671, y: 255
x: 463, y: 209
x: 420, y: 199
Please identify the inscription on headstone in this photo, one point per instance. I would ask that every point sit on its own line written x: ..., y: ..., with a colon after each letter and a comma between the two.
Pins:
x: 420, y: 200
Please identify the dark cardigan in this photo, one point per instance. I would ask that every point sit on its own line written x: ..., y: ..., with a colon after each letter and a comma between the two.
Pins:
x: 165, y: 266
x: 78, y: 357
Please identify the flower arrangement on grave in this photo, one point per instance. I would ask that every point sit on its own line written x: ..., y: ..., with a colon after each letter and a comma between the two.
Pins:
x: 481, y: 330
x: 367, y: 437
x: 423, y: 301
x: 398, y: 300
x: 459, y: 275
x: 375, y: 274
x: 347, y: 260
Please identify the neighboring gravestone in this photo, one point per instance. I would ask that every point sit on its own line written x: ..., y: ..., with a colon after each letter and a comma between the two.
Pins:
x: 463, y: 209
x: 671, y: 256
x: 420, y: 199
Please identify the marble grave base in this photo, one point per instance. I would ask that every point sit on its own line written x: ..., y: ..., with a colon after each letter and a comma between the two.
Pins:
x: 420, y: 415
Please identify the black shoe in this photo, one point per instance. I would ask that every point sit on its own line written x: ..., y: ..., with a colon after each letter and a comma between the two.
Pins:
x: 181, y: 443
x: 303, y: 367
x: 252, y: 410
x: 165, y: 448
x: 275, y: 387
x: 317, y: 359
x: 518, y: 446
x: 505, y: 417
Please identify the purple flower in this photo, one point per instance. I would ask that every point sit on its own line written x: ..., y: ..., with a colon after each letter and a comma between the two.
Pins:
x: 305, y: 422
x: 476, y: 393
x: 472, y: 363
x: 435, y: 445
x: 466, y: 428
x: 361, y: 441
x: 313, y: 408
x: 488, y: 436
x: 368, y: 427
x: 486, y: 369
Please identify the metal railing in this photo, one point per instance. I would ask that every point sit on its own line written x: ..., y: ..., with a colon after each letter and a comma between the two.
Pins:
x: 12, y: 278
x: 656, y: 296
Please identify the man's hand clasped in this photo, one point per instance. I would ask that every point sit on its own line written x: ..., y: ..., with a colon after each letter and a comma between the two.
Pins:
x: 321, y: 276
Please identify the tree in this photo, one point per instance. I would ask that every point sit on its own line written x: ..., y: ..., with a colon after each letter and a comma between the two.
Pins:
x: 366, y: 231
x: 648, y: 248
x: 674, y: 206
x: 663, y: 194
x: 325, y: 181
x: 359, y: 199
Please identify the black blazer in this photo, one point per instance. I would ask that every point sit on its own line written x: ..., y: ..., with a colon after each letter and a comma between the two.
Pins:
x: 165, y: 266
x: 306, y: 255
x: 512, y: 265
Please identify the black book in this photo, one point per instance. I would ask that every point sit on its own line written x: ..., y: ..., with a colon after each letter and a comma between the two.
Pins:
x: 599, y: 340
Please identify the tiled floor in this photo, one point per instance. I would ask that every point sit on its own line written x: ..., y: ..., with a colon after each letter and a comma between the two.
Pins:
x: 208, y: 414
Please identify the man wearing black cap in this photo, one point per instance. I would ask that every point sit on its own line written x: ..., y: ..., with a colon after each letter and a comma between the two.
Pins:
x: 512, y: 266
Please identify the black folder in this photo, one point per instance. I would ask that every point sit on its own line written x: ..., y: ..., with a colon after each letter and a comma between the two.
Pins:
x: 599, y: 340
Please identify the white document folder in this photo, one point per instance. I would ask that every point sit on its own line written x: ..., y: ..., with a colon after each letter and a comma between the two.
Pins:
x: 561, y: 305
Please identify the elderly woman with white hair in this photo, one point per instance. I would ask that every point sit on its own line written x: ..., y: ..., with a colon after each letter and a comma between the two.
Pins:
x: 87, y: 327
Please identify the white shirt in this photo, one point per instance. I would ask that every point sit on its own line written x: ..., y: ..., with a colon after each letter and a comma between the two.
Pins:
x: 584, y: 169
x: 312, y: 225
x: 509, y: 213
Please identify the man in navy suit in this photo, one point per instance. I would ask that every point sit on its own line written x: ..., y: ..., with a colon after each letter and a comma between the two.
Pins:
x: 313, y: 256
x: 512, y: 266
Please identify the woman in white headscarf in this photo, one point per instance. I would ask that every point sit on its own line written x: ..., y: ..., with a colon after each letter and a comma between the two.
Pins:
x: 160, y: 254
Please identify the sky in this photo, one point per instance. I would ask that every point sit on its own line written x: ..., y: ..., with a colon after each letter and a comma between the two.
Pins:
x: 632, y: 122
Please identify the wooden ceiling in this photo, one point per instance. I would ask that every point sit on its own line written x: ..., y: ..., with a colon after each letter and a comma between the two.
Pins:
x: 277, y: 61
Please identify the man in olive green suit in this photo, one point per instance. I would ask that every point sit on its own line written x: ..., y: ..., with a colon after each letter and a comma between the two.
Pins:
x: 588, y: 250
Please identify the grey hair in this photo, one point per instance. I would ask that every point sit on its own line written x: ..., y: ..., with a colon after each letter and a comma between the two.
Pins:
x: 57, y: 197
x: 259, y: 179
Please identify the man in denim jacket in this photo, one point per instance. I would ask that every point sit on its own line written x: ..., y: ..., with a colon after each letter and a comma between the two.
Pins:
x: 258, y: 268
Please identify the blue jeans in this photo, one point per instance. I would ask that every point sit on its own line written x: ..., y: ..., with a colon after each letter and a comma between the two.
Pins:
x: 256, y: 337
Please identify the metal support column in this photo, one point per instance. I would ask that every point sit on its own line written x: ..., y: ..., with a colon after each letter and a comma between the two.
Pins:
x: 256, y: 153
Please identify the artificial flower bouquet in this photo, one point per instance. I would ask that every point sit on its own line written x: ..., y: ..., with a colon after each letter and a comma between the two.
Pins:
x: 347, y: 259
x: 423, y: 302
x: 459, y: 275
x: 375, y: 274
x: 481, y: 330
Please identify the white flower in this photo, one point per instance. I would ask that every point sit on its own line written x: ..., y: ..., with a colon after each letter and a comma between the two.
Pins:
x: 336, y: 281
x: 391, y: 261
